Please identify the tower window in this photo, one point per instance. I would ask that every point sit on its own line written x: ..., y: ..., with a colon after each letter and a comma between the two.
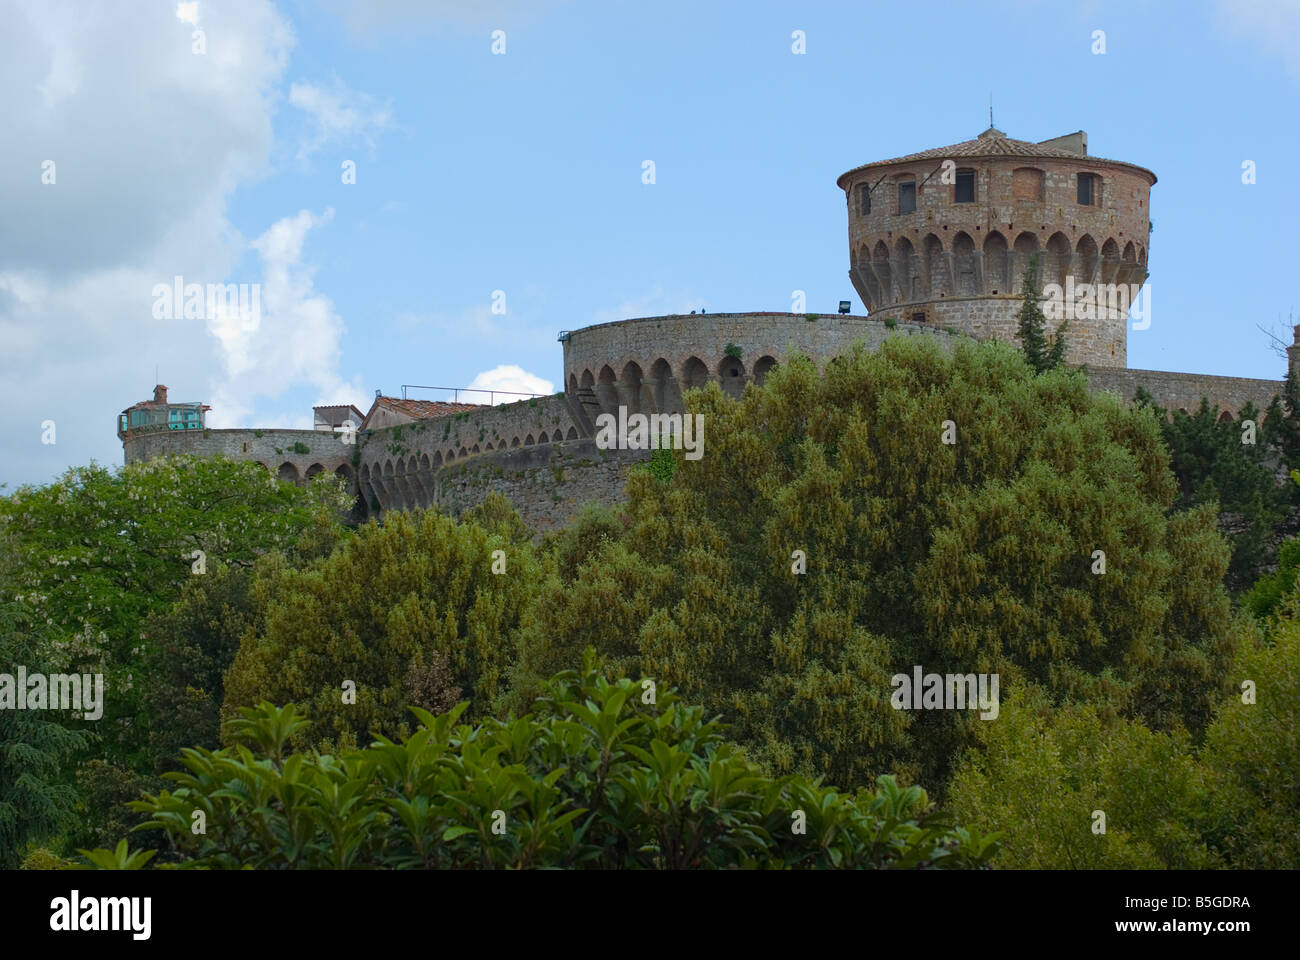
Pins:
x: 965, y: 189
x: 907, y: 196
x: 864, y: 200
x: 1087, y: 189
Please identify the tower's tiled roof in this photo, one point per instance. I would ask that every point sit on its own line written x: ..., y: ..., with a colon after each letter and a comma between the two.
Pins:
x: 991, y: 143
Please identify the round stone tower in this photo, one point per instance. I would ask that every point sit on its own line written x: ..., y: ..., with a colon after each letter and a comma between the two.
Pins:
x: 944, y: 237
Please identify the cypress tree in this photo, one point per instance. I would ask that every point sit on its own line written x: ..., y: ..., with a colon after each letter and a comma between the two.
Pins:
x: 1032, y: 326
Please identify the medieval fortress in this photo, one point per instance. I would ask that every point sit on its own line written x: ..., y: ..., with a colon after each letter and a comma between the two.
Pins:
x: 938, y: 243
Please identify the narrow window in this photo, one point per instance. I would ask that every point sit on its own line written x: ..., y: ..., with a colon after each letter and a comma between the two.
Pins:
x: 864, y: 200
x: 965, y: 192
x: 1085, y: 189
x: 907, y: 196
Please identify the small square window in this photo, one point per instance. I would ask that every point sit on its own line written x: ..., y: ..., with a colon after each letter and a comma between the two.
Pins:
x: 965, y: 189
x: 907, y: 196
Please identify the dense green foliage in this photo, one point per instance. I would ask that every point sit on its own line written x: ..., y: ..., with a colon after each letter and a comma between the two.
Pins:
x: 380, y: 613
x: 973, y: 556
x: 912, y: 507
x: 1246, y: 482
x: 35, y: 801
x: 1040, y: 772
x: 85, y: 562
x: 597, y: 777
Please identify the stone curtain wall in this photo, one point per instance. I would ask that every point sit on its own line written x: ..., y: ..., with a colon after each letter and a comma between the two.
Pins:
x: 647, y: 364
x: 274, y: 449
x: 548, y: 485
x: 1183, y: 391
x: 541, y: 454
x: 398, y: 464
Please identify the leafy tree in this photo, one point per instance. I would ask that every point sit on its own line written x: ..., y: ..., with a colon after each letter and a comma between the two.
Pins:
x: 1244, y: 482
x: 976, y: 556
x: 35, y: 804
x: 105, y: 789
x: 378, y: 613
x: 1265, y: 598
x: 1042, y: 774
x: 98, y: 551
x: 1254, y: 748
x: 191, y: 646
x: 1232, y: 801
x: 1032, y: 325
x: 599, y: 777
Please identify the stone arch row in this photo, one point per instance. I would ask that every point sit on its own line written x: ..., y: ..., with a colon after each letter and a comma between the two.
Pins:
x: 407, y: 482
x: 288, y: 471
x: 657, y: 387
x: 912, y: 271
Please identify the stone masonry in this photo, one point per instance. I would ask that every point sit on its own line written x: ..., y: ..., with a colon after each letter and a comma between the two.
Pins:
x: 950, y: 265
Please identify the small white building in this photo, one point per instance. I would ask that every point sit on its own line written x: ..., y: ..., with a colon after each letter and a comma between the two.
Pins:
x: 330, y: 418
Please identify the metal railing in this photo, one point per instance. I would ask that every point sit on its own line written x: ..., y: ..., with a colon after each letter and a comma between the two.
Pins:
x: 457, y: 391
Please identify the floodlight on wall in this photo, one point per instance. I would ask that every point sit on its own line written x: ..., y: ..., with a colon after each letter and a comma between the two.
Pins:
x: 563, y: 337
x: 844, y: 305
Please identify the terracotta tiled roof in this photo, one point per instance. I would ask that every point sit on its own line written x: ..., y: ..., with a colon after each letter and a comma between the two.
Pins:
x: 425, y: 409
x: 991, y: 143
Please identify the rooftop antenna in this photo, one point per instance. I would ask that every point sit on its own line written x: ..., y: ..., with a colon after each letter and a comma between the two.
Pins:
x: 990, y: 108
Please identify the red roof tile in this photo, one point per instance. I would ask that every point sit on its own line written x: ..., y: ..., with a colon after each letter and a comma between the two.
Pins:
x: 992, y: 143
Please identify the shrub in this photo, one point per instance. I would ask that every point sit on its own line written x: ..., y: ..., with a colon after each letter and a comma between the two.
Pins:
x: 598, y: 777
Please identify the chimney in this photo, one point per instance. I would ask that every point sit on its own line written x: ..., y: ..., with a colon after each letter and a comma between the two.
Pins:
x: 1293, y: 353
x: 1076, y: 142
x: 160, y: 394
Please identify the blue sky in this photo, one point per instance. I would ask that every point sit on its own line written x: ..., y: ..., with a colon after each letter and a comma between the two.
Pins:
x: 522, y: 173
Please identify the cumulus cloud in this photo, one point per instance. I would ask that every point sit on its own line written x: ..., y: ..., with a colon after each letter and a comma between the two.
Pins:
x: 1271, y: 24
x: 292, y: 340
x: 513, y: 378
x: 338, y: 115
x: 147, y: 141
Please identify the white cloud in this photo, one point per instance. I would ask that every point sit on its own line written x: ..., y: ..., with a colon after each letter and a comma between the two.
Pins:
x: 375, y: 16
x: 149, y: 141
x: 1272, y: 25
x: 339, y: 115
x: 295, y: 340
x: 512, y: 378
